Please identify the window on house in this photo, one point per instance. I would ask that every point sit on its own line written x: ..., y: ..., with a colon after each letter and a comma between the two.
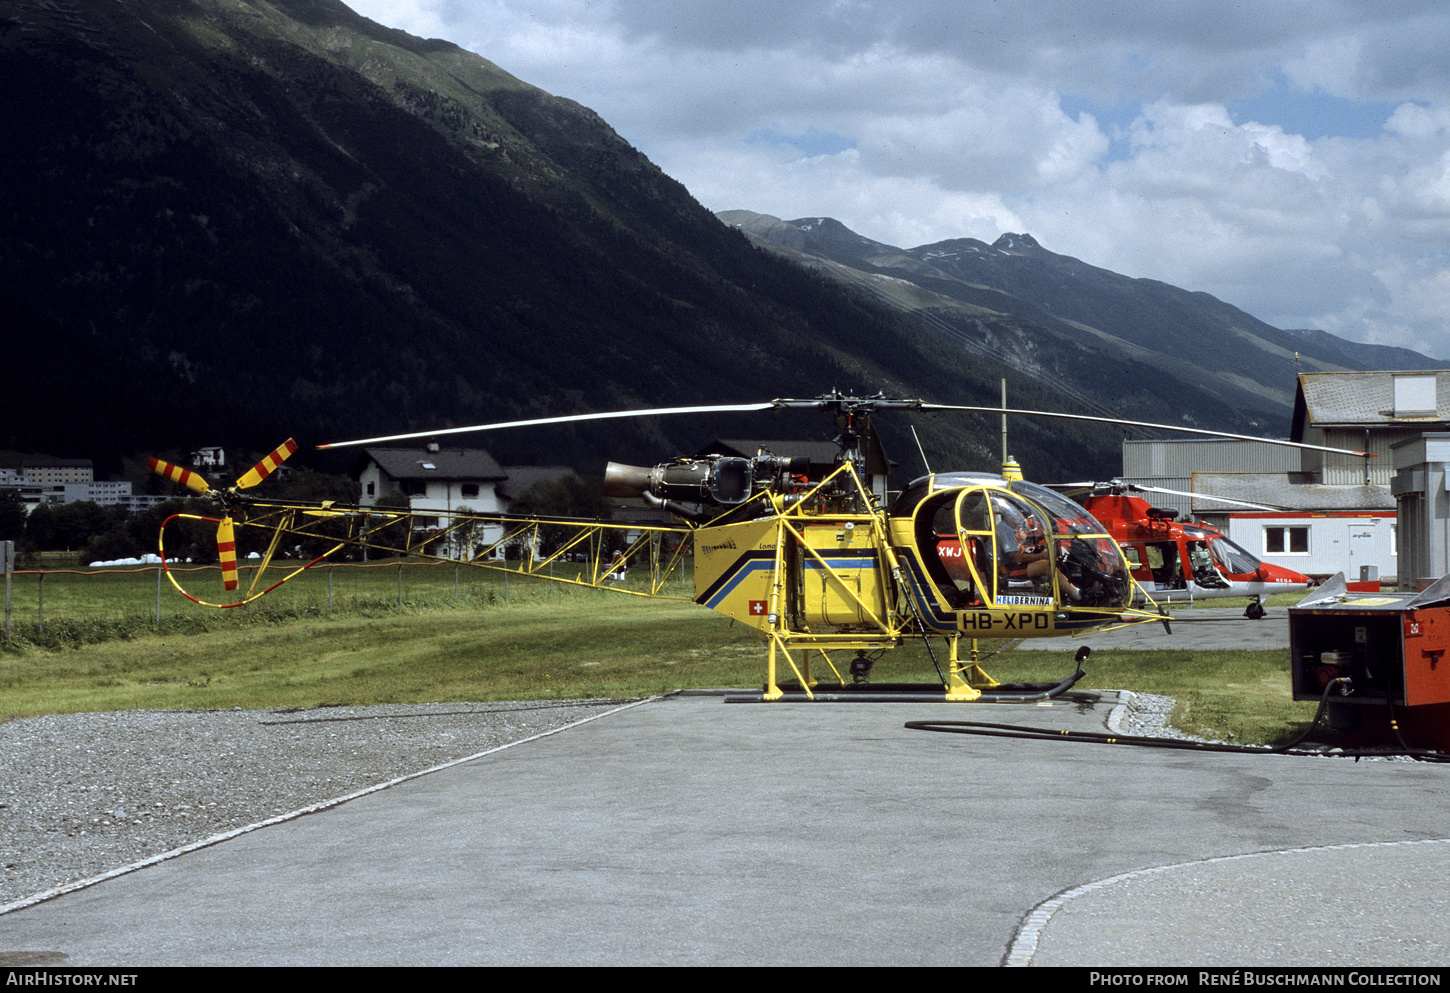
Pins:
x: 372, y: 489
x: 414, y: 487
x: 1286, y: 541
x: 470, y: 489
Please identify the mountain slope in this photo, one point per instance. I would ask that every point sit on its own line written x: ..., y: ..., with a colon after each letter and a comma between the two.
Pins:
x: 1140, y: 348
x: 281, y: 218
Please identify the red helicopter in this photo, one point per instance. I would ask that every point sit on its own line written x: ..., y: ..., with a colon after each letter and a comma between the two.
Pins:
x: 1184, y: 560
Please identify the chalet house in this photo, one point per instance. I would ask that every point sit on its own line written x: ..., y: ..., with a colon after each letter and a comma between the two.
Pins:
x: 446, y: 480
x: 433, y: 478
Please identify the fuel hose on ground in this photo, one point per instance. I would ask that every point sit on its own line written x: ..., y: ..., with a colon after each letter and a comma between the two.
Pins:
x: 1103, y: 738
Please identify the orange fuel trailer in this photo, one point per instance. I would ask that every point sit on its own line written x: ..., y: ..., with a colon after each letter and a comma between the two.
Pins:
x: 1394, y: 648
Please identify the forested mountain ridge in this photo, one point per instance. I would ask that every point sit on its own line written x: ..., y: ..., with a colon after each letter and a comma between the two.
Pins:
x: 231, y: 221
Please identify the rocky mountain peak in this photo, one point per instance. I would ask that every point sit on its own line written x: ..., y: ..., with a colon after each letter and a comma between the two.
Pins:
x: 1017, y: 244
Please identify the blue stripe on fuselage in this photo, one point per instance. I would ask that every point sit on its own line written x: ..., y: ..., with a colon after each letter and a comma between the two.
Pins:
x: 747, y: 564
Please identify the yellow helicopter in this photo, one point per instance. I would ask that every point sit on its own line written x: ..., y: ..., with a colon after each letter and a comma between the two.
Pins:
x: 825, y: 566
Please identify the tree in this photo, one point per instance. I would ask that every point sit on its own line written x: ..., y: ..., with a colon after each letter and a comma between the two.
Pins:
x: 70, y: 526
x: 12, y: 515
x: 572, y: 496
x: 393, y: 535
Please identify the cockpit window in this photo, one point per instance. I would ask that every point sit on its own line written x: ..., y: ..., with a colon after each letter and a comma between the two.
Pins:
x: 1232, y: 558
x: 1027, y: 547
x: 948, y: 548
x: 1204, y: 574
x: 1024, y: 573
x: 1068, y: 516
x: 1087, y: 557
x: 971, y: 511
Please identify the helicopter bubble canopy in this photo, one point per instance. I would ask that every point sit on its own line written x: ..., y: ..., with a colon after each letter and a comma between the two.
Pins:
x: 1008, y: 542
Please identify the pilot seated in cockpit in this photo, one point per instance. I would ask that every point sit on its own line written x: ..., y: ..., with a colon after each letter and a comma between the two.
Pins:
x: 1022, y: 550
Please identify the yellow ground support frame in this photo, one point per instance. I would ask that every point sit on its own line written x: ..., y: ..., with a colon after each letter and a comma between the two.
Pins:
x: 590, y: 553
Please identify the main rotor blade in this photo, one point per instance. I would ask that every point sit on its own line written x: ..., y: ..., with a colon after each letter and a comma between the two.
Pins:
x: 1198, y: 496
x: 726, y: 409
x: 268, y: 465
x: 177, y: 474
x: 226, y: 550
x: 1143, y: 424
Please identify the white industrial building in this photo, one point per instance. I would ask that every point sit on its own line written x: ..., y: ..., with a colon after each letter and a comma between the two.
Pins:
x: 1360, y: 545
x: 1332, y: 513
x: 59, y: 481
x: 1422, y: 489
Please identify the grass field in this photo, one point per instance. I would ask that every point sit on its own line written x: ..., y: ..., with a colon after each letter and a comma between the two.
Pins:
x: 426, y: 633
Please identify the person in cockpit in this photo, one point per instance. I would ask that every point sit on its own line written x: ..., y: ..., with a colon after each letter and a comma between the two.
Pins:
x: 1022, y: 548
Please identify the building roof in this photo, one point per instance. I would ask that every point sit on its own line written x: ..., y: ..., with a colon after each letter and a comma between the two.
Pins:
x: 49, y: 462
x: 446, y: 463
x: 1288, y: 491
x: 1181, y: 457
x: 1368, y: 399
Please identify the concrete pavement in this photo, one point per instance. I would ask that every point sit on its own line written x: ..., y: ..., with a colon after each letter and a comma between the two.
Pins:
x: 687, y: 831
x: 1204, y: 627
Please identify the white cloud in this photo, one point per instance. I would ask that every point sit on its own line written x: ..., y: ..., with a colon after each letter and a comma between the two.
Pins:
x: 1107, y: 130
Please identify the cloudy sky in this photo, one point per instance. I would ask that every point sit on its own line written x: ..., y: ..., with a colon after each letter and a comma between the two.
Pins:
x: 1292, y: 158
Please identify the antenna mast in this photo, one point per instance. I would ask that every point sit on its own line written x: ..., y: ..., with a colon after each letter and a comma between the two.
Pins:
x: 1004, y: 420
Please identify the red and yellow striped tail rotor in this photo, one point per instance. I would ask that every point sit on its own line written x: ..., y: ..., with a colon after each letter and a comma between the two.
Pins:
x: 268, y: 465
x: 226, y: 546
x: 177, y: 474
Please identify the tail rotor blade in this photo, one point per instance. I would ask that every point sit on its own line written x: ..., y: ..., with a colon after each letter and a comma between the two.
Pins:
x: 177, y: 474
x: 226, y: 546
x: 268, y: 465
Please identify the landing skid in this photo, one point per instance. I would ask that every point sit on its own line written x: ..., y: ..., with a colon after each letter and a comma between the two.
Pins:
x: 915, y: 693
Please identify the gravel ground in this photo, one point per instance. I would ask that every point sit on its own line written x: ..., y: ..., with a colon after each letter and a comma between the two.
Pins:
x: 86, y: 794
x: 1145, y: 715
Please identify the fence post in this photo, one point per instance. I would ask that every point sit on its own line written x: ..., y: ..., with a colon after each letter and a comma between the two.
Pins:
x: 40, y: 606
x: 7, y: 552
x: 329, y: 591
x: 400, y: 585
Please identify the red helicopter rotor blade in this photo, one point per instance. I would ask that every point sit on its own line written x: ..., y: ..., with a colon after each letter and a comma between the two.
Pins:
x: 1200, y: 496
